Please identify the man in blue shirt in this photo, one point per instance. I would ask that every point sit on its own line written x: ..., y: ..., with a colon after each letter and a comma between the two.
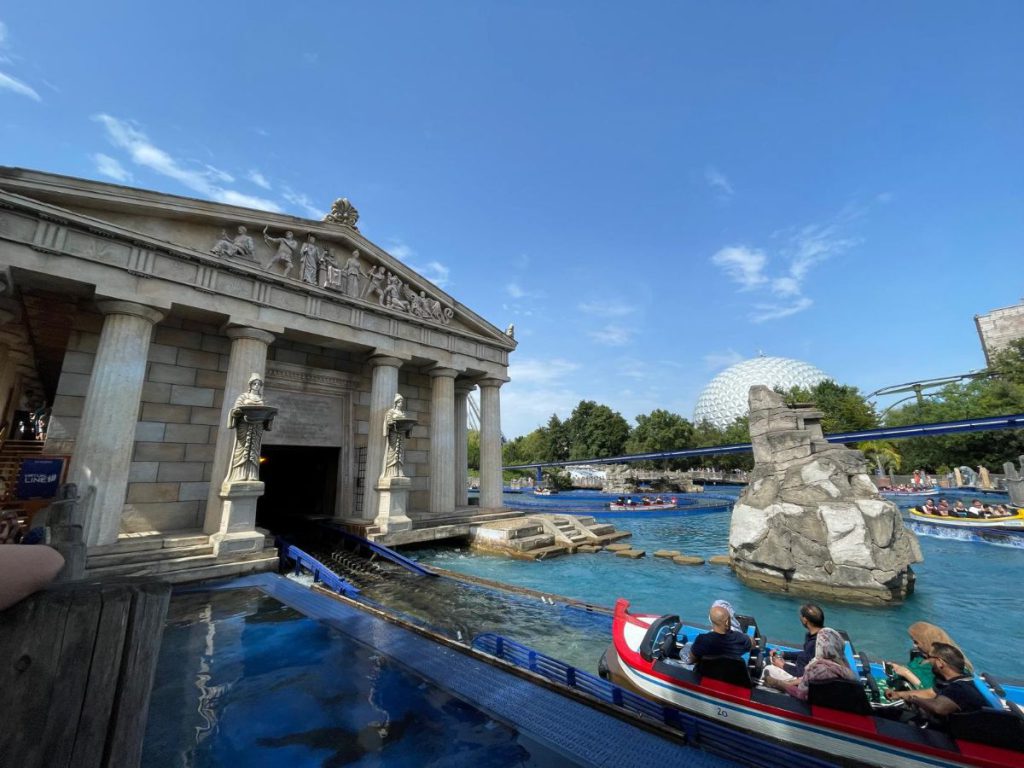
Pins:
x: 954, y: 689
x: 722, y: 640
x: 788, y: 666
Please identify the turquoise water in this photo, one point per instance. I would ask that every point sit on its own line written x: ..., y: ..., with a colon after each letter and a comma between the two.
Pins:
x: 967, y: 587
x: 243, y: 680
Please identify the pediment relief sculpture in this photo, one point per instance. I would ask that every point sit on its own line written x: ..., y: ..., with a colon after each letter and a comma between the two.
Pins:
x: 344, y: 213
x: 318, y: 266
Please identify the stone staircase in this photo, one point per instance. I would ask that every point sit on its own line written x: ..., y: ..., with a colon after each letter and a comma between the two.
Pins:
x: 184, y: 556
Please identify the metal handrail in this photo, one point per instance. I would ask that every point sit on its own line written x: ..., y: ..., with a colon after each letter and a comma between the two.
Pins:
x: 321, y: 573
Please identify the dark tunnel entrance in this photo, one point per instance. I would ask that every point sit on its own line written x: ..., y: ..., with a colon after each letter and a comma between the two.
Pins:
x: 300, y: 482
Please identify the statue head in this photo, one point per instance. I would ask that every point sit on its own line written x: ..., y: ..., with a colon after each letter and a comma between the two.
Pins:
x: 242, y: 230
x: 311, y: 238
x: 256, y: 384
x: 399, y: 401
x: 289, y: 235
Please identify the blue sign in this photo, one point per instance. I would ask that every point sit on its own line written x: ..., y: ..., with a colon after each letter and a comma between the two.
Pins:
x: 39, y: 478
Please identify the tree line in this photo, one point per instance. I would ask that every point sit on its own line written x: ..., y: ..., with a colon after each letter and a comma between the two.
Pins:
x: 595, y: 431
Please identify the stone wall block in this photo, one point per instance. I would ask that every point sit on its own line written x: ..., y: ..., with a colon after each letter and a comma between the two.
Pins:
x: 162, y: 353
x: 194, y: 358
x: 200, y: 452
x: 84, y: 341
x: 182, y: 471
x: 76, y: 384
x: 161, y: 516
x: 77, y: 362
x: 156, y: 392
x: 201, y: 396
x: 143, y: 492
x: 208, y: 416
x: 67, y: 405
x: 170, y: 414
x: 143, y: 471
x: 175, y: 337
x: 159, y: 452
x: 187, y: 433
x: 193, y: 491
x: 212, y: 379
x: 171, y: 374
x: 218, y: 344
x: 150, y: 431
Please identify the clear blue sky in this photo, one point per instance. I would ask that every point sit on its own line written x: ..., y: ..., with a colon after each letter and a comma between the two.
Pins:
x: 649, y: 192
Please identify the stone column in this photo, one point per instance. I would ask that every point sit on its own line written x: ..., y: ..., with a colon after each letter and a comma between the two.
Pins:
x: 106, y: 435
x: 442, y: 441
x: 461, y: 464
x: 383, y: 389
x: 248, y: 356
x: 490, y: 443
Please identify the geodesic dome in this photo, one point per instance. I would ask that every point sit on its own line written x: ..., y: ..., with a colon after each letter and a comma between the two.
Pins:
x: 724, y: 399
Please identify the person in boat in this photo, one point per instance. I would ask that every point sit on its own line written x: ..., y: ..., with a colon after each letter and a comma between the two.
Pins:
x: 959, y: 510
x: 976, y: 509
x: 733, y: 621
x: 929, y: 508
x: 788, y: 666
x: 918, y: 672
x: 943, y: 508
x: 722, y: 640
x: 954, y: 689
x: 829, y: 663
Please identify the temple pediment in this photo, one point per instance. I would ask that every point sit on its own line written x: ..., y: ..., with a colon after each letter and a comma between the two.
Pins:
x: 274, y: 263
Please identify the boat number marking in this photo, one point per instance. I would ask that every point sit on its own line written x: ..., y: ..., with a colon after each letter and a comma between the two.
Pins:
x: 721, y: 712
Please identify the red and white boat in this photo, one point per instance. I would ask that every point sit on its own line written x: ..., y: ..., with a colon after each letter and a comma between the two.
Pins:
x: 839, y: 721
x: 642, y: 506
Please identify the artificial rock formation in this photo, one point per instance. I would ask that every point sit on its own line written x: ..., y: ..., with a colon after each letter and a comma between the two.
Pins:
x: 811, y: 521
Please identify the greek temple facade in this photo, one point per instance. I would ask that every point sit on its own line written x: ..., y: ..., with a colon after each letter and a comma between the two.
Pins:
x: 137, y: 318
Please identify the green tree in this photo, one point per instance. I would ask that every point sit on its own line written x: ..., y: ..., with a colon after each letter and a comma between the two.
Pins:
x: 473, y: 449
x: 552, y: 444
x: 843, y: 407
x: 659, y: 431
x: 883, y: 453
x: 595, y: 431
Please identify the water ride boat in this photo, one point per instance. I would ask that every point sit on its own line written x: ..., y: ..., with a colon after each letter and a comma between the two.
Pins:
x: 544, y: 491
x: 644, y: 505
x: 845, y: 720
x: 1003, y: 524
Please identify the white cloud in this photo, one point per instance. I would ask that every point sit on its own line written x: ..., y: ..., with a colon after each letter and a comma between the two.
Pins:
x: 206, y: 181
x: 803, y: 249
x: 612, y: 336
x: 764, y: 312
x: 516, y: 291
x: 743, y: 265
x: 610, y: 308
x: 529, y: 371
x: 9, y: 83
x: 300, y: 200
x: 108, y: 166
x: 716, y: 360
x: 718, y: 182
x: 258, y: 179
x: 433, y: 270
x: 3, y: 34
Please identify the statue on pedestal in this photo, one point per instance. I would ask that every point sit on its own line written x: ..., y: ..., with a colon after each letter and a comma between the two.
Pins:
x: 249, y: 417
x: 397, y: 427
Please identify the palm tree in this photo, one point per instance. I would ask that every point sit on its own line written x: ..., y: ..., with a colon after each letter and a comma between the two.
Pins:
x: 883, y: 453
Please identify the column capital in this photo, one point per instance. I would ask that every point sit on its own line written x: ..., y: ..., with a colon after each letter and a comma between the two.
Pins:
x: 383, y: 359
x: 117, y: 307
x: 492, y: 381
x: 245, y: 332
x: 464, y: 386
x: 441, y: 371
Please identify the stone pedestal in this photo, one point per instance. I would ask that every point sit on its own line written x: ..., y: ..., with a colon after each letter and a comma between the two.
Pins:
x: 392, y: 503
x: 239, y: 513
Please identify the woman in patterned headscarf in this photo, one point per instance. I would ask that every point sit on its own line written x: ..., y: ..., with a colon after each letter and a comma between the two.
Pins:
x: 918, y: 671
x: 829, y: 663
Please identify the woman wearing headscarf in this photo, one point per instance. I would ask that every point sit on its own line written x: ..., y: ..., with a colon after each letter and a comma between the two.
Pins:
x: 918, y: 671
x: 829, y: 663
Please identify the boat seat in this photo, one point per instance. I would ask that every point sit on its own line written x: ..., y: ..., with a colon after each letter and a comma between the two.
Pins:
x: 994, y: 727
x: 728, y: 669
x: 993, y: 700
x: 650, y: 646
x: 844, y: 695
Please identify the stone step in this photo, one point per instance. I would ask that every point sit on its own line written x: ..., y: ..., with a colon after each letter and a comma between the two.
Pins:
x: 154, y: 568
x: 602, y: 529
x: 147, y: 555
x: 532, y: 542
x: 524, y: 531
x: 257, y: 562
x: 579, y: 539
x: 545, y: 552
x: 148, y: 542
